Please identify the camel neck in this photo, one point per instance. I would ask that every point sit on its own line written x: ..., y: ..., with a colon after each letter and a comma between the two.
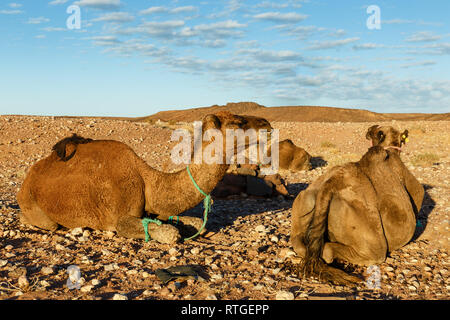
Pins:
x: 168, y: 194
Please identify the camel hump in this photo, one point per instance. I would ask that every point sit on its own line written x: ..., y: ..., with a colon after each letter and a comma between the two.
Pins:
x: 65, y: 144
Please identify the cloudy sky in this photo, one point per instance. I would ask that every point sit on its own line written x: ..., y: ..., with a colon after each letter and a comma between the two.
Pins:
x: 134, y: 58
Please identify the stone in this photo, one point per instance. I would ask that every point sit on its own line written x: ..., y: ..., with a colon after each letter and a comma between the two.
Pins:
x: 23, y: 282
x: 3, y: 263
x: 95, y: 282
x: 260, y: 228
x: 47, y: 270
x: 87, y: 288
x: 76, y: 231
x: 119, y: 296
x: 284, y: 295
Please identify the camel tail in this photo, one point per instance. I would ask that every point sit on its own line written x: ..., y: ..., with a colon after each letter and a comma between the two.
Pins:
x: 61, y: 147
x: 314, y: 240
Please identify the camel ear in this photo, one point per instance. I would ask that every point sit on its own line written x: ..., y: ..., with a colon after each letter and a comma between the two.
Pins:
x: 211, y: 121
x: 371, y: 132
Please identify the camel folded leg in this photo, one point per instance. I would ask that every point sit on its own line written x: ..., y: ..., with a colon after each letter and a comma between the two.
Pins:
x: 36, y: 217
x: 188, y: 226
x: 132, y: 227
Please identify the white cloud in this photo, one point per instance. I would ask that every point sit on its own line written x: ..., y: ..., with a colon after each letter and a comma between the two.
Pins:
x: 331, y: 44
x: 183, y: 9
x: 14, y: 5
x: 423, y: 36
x: 222, y: 29
x: 99, y: 4
x: 117, y: 17
x: 37, y: 20
x: 418, y: 64
x: 164, y: 29
x: 40, y: 36
x: 11, y: 11
x: 299, y: 32
x: 368, y: 46
x: 160, y: 9
x: 290, y: 17
x: 268, y: 4
x: 57, y: 2
x: 272, y: 56
x: 52, y: 29
x: 397, y: 21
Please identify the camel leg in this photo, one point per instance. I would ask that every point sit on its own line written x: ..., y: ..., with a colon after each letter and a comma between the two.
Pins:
x: 38, y: 218
x: 131, y: 227
x: 333, y: 250
x: 187, y: 226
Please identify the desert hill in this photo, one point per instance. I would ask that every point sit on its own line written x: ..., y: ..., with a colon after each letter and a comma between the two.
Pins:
x: 293, y: 113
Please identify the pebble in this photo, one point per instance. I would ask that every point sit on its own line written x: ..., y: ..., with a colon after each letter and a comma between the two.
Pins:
x: 47, y: 270
x: 119, y: 296
x: 211, y: 296
x: 87, y: 288
x: 23, y: 282
x: 284, y: 295
x: 111, y: 267
x: 173, y: 251
x: 260, y: 228
x: 3, y: 263
x: 95, y: 282
x: 76, y: 231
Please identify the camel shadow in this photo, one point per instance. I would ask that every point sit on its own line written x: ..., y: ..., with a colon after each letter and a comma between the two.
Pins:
x: 226, y: 211
x: 428, y: 205
x: 317, y: 162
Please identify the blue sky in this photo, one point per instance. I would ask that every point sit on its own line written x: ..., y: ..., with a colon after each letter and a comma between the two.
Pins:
x: 135, y: 58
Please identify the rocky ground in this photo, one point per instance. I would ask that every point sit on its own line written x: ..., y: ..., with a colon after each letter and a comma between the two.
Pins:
x: 247, y: 254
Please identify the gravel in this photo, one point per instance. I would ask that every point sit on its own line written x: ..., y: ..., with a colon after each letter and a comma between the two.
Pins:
x: 247, y: 254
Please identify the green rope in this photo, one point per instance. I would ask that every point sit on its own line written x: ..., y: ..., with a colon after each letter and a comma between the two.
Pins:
x: 171, y: 219
x: 206, y: 205
x: 145, y: 223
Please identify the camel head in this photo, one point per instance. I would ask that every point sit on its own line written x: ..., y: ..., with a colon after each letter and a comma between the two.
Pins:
x: 387, y: 137
x: 226, y: 122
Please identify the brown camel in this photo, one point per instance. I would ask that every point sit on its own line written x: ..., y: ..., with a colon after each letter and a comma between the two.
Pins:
x: 357, y: 212
x: 293, y: 158
x: 387, y: 136
x: 103, y: 184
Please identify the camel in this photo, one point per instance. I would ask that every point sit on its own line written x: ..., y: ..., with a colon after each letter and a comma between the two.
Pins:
x: 104, y: 185
x: 293, y: 158
x: 387, y: 136
x: 356, y: 212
